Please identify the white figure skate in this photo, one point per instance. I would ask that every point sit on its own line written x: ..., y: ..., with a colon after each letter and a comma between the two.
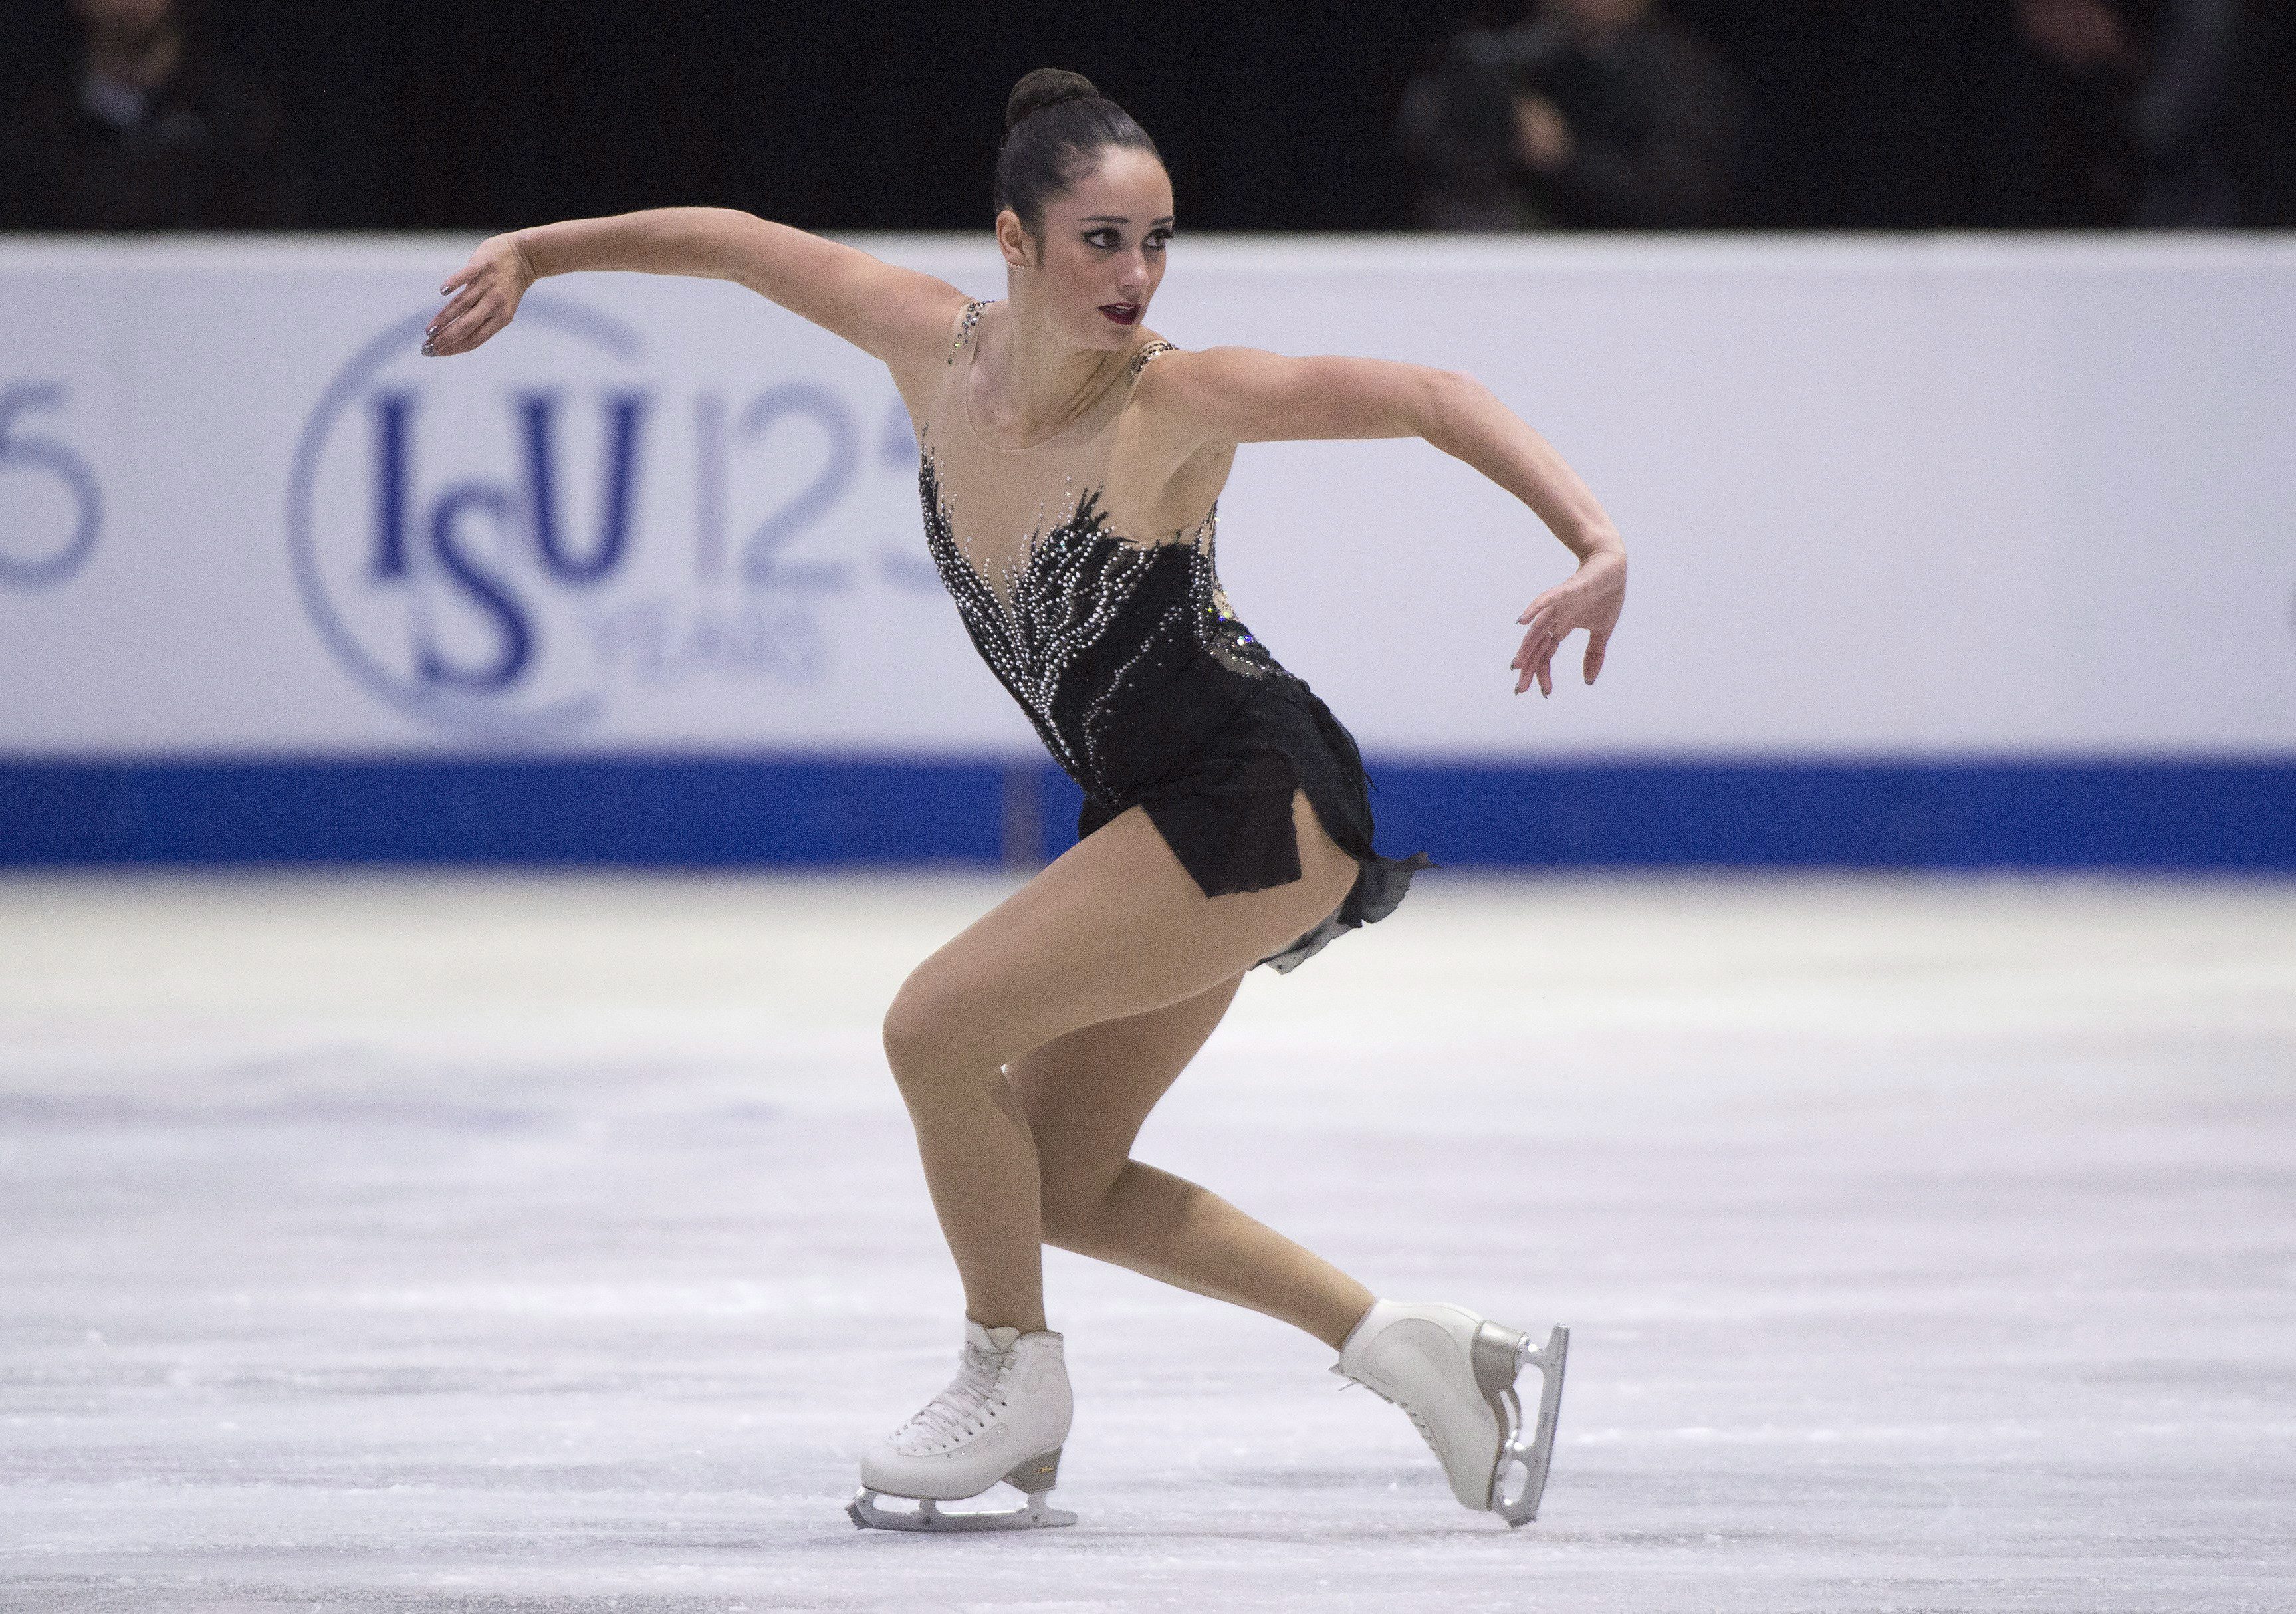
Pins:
x: 1003, y: 1417
x: 1453, y: 1373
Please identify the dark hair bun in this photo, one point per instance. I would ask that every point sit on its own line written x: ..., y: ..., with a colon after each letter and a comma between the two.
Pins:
x: 1056, y: 125
x: 1045, y: 87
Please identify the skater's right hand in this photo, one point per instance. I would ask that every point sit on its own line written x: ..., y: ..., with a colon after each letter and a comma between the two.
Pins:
x: 490, y: 286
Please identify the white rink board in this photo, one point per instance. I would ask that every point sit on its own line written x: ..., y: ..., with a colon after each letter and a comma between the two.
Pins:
x: 1888, y: 498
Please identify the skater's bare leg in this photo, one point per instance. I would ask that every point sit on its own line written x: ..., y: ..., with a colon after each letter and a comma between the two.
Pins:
x: 1086, y: 1096
x: 1114, y: 928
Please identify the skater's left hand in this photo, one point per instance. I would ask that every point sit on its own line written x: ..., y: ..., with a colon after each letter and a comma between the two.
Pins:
x: 1591, y: 598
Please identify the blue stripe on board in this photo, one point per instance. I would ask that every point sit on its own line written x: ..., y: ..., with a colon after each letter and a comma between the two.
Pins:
x: 2165, y: 815
x: 649, y: 812
x: 2168, y: 815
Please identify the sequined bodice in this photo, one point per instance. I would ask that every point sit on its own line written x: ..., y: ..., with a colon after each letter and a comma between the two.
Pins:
x: 1123, y: 654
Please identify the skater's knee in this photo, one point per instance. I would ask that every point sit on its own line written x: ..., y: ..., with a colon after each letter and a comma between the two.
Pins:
x: 1073, y: 1203
x: 915, y: 1032
x: 932, y: 1035
x: 1069, y: 1216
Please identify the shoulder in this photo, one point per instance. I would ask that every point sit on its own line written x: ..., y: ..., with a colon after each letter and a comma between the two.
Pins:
x: 1247, y: 395
x: 928, y: 322
x: 1168, y: 385
x: 1209, y: 396
x: 1207, y: 386
x: 1175, y: 377
x: 1183, y: 368
x: 962, y: 322
x: 1148, y: 352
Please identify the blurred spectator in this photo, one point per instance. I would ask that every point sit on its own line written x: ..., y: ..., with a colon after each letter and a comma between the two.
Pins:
x: 2141, y: 126
x: 152, y: 136
x: 1591, y: 114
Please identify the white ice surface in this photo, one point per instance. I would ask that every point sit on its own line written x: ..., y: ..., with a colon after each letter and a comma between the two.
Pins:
x: 499, y: 1244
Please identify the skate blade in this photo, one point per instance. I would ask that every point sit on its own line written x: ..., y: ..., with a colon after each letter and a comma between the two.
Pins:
x: 1519, y: 1505
x: 931, y: 1516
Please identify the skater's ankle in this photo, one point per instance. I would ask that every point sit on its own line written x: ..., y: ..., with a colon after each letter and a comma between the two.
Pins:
x: 1341, y: 1324
x: 1038, y: 1326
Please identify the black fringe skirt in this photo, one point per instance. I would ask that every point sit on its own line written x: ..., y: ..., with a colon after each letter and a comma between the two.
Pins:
x: 1228, y: 814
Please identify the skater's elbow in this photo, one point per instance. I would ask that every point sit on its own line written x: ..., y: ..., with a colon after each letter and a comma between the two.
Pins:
x: 1450, y: 404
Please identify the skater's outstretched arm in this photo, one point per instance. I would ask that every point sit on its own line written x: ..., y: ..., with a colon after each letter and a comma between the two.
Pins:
x: 889, y: 312
x: 1221, y: 396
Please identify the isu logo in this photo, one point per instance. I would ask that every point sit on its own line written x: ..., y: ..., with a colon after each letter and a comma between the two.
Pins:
x: 500, y: 543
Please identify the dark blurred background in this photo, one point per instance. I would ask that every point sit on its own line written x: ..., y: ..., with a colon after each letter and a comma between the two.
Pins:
x: 1381, y: 115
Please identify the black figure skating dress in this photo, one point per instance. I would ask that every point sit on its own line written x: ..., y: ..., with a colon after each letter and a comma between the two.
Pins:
x: 1142, y: 683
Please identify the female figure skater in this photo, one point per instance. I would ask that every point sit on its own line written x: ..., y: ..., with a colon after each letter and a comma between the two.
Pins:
x: 1070, y: 462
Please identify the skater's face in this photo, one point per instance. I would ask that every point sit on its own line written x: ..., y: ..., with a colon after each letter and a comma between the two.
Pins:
x: 1097, y: 260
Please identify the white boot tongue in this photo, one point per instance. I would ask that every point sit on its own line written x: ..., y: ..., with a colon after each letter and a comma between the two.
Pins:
x: 1367, y: 1329
x: 997, y: 1339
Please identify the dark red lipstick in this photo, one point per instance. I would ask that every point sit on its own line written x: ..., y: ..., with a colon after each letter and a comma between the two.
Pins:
x: 1123, y: 314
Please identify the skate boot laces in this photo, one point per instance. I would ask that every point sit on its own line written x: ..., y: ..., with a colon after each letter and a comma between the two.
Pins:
x: 1426, y: 1432
x: 962, y: 1411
